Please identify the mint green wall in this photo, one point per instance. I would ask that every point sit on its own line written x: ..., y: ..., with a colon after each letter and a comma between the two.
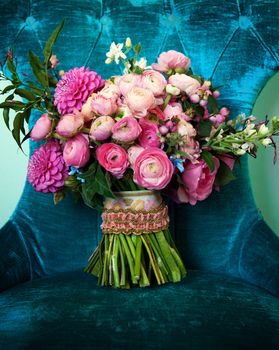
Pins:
x: 264, y: 175
x: 13, y: 171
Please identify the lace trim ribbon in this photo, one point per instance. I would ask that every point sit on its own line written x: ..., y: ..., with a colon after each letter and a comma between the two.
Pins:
x: 129, y: 221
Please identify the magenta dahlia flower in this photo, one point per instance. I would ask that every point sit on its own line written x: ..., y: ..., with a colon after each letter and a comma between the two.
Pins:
x: 74, y: 88
x: 47, y: 169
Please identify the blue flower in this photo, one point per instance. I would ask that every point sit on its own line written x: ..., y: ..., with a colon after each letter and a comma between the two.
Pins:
x: 178, y: 163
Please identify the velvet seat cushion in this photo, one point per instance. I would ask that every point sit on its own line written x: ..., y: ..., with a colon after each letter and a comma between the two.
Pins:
x: 205, y: 311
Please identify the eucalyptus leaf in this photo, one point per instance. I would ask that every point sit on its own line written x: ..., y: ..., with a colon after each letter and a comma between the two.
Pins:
x: 15, y: 105
x: 7, y: 89
x: 6, y: 117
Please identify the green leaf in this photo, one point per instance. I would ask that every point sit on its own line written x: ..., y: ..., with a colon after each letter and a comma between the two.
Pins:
x: 26, y: 137
x: 208, y: 158
x: 6, y: 117
x: 204, y: 128
x: 18, y: 125
x: 25, y: 94
x: 212, y: 104
x: 51, y: 41
x: 7, y: 89
x: 224, y: 175
x: 103, y: 183
x: 35, y: 89
x: 137, y: 48
x: 52, y: 81
x: 15, y: 105
x: 58, y: 197
x: 38, y: 69
x: 12, y: 68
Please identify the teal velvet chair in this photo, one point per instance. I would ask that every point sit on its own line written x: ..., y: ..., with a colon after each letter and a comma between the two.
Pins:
x: 230, y: 298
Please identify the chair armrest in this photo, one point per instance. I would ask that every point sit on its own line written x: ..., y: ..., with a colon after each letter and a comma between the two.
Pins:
x: 14, y: 258
x: 259, y: 257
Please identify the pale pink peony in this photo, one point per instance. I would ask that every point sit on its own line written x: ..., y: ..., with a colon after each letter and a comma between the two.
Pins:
x: 154, y: 81
x: 133, y: 153
x: 113, y: 158
x: 128, y: 81
x: 153, y: 169
x: 47, y: 169
x: 227, y: 159
x: 139, y: 100
x: 74, y: 88
x: 42, y: 128
x: 149, y: 135
x: 76, y: 151
x: 101, y: 128
x: 69, y: 125
x: 185, y: 83
x: 102, y: 105
x: 198, y: 181
x: 126, y: 130
x: 171, y: 60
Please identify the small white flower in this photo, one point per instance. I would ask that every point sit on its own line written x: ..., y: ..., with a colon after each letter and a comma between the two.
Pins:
x: 263, y: 130
x: 172, y: 90
x: 240, y: 152
x: 266, y: 142
x: 115, y: 52
x: 127, y: 67
x: 128, y: 43
x: 247, y: 146
x: 235, y: 145
x: 141, y: 63
x: 220, y: 135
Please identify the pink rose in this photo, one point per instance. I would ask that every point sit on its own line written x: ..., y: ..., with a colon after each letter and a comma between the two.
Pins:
x: 172, y: 60
x: 128, y: 81
x: 69, y: 125
x: 184, y: 83
x: 133, y: 153
x: 101, y: 128
x: 154, y: 81
x: 42, y: 128
x: 198, y: 181
x: 113, y: 158
x: 76, y: 151
x: 149, y: 135
x: 102, y: 105
x: 153, y: 169
x: 139, y: 100
x: 126, y: 130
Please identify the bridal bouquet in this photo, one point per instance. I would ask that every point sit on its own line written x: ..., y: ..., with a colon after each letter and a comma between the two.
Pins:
x: 121, y: 142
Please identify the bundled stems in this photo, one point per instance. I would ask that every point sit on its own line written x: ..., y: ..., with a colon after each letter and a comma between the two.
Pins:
x: 122, y: 260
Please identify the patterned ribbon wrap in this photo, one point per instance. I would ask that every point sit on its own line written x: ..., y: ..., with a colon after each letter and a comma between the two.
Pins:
x: 134, y: 212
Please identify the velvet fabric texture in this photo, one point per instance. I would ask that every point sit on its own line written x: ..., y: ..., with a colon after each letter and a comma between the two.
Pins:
x: 236, y: 44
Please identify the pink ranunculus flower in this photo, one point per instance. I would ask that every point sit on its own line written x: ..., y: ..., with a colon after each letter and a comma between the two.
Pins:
x: 87, y: 111
x: 47, y: 170
x: 133, y: 153
x: 54, y: 61
x: 153, y: 169
x: 154, y: 81
x: 126, y: 130
x: 227, y: 159
x: 173, y: 110
x: 171, y: 60
x: 101, y: 128
x: 198, y: 181
x: 76, y: 151
x: 186, y: 129
x: 110, y: 91
x: 69, y: 125
x: 128, y: 81
x: 184, y: 83
x: 139, y: 101
x: 42, y: 128
x: 102, y: 105
x: 113, y: 158
x: 149, y: 135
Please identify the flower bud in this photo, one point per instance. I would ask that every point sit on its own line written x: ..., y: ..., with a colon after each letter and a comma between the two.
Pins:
x: 163, y: 130
x: 172, y: 90
x: 203, y: 103
x: 195, y: 98
x: 266, y: 142
x: 263, y: 130
x: 128, y: 43
x: 216, y: 93
x: 108, y: 61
